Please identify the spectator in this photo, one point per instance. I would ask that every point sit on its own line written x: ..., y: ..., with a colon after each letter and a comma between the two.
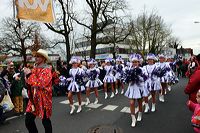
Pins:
x: 16, y: 90
x: 184, y: 67
x: 62, y: 89
x: 194, y: 83
x: 59, y: 64
x: 64, y: 70
x: 179, y: 66
x: 2, y: 93
x: 195, y: 107
x: 192, y: 66
x: 7, y: 74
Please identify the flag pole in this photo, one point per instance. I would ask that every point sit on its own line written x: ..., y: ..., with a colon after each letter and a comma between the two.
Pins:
x: 14, y: 9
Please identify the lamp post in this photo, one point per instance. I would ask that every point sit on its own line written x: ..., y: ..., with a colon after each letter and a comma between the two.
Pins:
x: 196, y: 22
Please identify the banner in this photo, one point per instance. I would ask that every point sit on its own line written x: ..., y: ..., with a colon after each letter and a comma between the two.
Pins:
x: 38, y: 10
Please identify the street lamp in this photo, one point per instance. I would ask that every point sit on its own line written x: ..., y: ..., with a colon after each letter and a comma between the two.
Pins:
x: 196, y: 22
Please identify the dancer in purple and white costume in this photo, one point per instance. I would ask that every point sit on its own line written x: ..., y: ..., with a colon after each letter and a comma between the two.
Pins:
x: 133, y: 75
x: 164, y: 75
x: 109, y: 77
x: 76, y: 83
x: 119, y: 67
x: 152, y: 83
x: 172, y: 76
x: 94, y: 82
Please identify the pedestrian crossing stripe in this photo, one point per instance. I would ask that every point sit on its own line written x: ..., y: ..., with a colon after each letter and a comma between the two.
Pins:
x: 65, y: 102
x: 94, y: 106
x: 126, y: 110
x: 107, y: 107
x: 77, y: 104
x: 110, y: 107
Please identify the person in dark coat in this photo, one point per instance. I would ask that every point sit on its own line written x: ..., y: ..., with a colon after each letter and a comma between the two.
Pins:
x: 2, y: 93
x: 194, y: 83
x: 59, y: 64
x: 16, y: 91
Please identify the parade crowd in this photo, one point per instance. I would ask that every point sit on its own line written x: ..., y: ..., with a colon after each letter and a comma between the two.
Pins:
x: 137, y: 79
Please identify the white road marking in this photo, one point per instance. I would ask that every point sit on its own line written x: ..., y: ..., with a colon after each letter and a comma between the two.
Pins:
x: 126, y: 110
x: 77, y: 104
x: 65, y: 102
x: 13, y: 117
x: 94, y: 106
x: 110, y: 107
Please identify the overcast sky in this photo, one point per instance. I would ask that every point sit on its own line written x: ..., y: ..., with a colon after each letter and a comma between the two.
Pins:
x: 180, y: 14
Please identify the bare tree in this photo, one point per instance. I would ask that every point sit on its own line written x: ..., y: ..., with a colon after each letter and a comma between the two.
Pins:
x: 101, y: 12
x: 15, y: 39
x: 63, y: 25
x: 117, y: 33
x: 149, y: 34
x: 174, y: 42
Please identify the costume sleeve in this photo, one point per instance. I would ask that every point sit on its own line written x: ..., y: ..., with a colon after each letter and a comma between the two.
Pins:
x: 41, y: 79
x: 144, y: 68
x: 193, y: 83
x: 98, y: 71
x: 191, y: 105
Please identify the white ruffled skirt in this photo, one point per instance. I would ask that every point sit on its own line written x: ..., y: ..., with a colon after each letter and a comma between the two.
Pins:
x: 94, y: 83
x: 74, y: 87
x: 153, y: 85
x: 136, y: 91
x: 109, y: 79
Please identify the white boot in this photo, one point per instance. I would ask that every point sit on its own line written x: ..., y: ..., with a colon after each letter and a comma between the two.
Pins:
x: 122, y: 92
x: 133, y: 120
x: 165, y: 92
x: 153, y: 108
x: 139, y: 118
x: 106, y: 95
x: 96, y: 101
x: 79, y: 109
x: 87, y: 101
x: 146, y: 110
x: 162, y: 99
x: 169, y: 87
x: 112, y: 95
x: 116, y: 92
x: 72, y: 109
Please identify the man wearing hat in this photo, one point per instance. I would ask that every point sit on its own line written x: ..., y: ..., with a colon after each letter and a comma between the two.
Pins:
x: 7, y: 74
x: 39, y: 81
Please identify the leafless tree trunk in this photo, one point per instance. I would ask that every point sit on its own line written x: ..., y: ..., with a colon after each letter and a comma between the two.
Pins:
x: 64, y: 25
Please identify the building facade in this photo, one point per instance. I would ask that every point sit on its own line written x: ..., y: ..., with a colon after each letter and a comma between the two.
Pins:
x: 103, y: 50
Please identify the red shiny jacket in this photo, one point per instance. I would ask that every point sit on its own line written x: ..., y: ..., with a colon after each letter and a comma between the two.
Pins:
x: 40, y: 83
x: 193, y: 85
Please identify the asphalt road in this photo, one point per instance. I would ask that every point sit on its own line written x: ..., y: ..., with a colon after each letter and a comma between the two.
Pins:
x: 170, y: 117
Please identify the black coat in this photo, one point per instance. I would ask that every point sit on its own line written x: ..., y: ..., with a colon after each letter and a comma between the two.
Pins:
x: 2, y: 90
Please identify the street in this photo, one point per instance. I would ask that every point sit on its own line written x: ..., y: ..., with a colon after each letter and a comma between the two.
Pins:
x: 172, y: 116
